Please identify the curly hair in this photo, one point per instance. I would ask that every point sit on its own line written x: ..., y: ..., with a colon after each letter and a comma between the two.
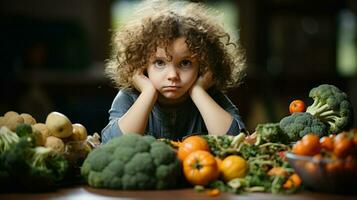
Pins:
x: 158, y: 24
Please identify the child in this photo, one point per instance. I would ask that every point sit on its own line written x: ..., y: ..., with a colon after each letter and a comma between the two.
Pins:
x: 171, y: 65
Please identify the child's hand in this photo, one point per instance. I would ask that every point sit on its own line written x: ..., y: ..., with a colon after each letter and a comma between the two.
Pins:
x: 142, y: 82
x: 205, y: 80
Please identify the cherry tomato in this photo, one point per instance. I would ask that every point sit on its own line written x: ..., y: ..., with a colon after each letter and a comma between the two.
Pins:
x: 326, y: 143
x: 311, y: 143
x: 299, y: 149
x: 297, y: 106
x: 342, y: 147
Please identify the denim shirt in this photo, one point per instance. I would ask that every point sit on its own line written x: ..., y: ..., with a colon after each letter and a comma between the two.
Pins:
x: 170, y: 123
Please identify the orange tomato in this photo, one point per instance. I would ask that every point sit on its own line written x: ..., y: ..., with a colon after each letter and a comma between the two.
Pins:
x: 297, y: 106
x: 219, y: 163
x: 293, y: 181
x: 326, y: 143
x: 299, y: 149
x: 311, y: 143
x: 233, y: 166
x: 191, y: 144
x: 277, y: 171
x: 342, y: 147
x: 200, y: 168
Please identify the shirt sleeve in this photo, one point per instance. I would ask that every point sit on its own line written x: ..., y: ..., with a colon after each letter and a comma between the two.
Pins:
x: 237, y: 125
x: 121, y: 104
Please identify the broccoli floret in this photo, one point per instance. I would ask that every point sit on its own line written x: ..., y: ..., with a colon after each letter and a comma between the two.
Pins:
x: 48, y: 162
x: 29, y: 164
x: 331, y: 106
x: 7, y: 139
x: 24, y: 130
x: 132, y: 161
x: 301, y: 123
x: 270, y: 132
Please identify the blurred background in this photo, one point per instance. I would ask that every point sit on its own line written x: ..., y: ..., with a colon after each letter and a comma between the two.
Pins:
x: 53, y: 55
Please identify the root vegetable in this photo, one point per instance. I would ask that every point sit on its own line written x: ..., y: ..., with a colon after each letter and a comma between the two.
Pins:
x: 28, y: 119
x: 55, y: 143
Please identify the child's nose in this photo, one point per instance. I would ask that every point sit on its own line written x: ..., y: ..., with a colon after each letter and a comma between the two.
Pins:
x: 172, y: 73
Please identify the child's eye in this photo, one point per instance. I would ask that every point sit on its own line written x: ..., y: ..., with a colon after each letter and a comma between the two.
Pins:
x: 159, y: 63
x: 185, y: 64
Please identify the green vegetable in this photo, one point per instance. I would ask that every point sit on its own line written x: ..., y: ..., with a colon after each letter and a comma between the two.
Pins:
x: 132, y: 161
x: 7, y: 139
x: 224, y: 145
x: 270, y: 132
x: 27, y: 164
x: 23, y: 130
x: 331, y: 106
x: 261, y: 158
x: 301, y: 123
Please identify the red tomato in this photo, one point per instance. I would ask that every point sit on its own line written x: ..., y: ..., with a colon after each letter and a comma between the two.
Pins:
x: 311, y: 143
x: 297, y: 106
x: 326, y: 143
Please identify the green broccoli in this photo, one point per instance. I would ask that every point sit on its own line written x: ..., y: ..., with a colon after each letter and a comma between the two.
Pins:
x: 28, y: 164
x: 332, y: 107
x: 7, y: 139
x: 301, y: 123
x: 24, y: 130
x: 132, y: 161
x: 270, y: 132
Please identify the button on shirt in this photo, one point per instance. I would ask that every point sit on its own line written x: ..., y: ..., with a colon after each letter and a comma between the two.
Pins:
x: 173, y: 123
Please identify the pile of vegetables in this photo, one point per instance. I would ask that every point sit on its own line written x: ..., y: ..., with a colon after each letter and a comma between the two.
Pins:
x: 328, y: 163
x: 330, y: 113
x: 132, y: 162
x: 40, y: 153
x: 266, y: 169
x: 26, y: 166
x: 236, y: 164
x: 256, y: 162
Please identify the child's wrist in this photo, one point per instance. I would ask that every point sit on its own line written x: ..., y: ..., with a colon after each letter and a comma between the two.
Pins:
x: 150, y: 91
x: 195, y: 88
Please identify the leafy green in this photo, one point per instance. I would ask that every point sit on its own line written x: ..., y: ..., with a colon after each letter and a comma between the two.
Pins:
x: 270, y: 132
x: 224, y: 145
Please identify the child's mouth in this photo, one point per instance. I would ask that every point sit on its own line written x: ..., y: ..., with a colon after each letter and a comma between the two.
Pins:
x: 170, y: 88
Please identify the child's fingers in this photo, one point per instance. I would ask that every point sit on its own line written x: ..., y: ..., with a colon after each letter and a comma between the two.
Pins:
x: 139, y: 71
x: 208, y: 75
x: 207, y: 79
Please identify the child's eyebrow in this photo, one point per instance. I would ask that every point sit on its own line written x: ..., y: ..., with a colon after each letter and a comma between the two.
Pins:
x: 159, y: 57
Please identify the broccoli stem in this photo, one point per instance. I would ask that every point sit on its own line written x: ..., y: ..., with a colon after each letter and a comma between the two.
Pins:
x: 317, y: 108
x: 328, y: 114
x: 331, y: 118
x: 40, y: 156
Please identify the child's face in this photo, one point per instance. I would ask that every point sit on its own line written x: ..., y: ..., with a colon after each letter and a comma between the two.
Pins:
x: 173, y: 72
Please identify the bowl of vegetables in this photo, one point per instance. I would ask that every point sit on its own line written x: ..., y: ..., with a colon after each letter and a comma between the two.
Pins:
x: 327, y: 164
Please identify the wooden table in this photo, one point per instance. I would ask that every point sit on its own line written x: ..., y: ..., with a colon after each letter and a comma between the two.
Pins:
x: 89, y: 193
